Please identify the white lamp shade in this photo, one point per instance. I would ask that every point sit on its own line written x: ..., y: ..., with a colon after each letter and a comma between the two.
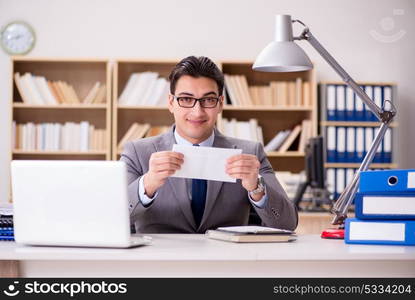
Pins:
x: 282, y: 57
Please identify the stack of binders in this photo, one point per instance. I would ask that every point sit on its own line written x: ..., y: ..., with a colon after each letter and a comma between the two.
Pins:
x: 384, y: 208
x: 6, y: 228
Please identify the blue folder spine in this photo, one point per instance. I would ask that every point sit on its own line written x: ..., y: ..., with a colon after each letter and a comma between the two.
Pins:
x: 409, y: 234
x: 387, y: 181
x: 359, y: 202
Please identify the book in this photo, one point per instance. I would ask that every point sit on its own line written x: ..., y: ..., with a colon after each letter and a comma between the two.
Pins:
x: 385, y: 206
x: 88, y: 99
x: 379, y: 232
x: 277, y: 141
x: 290, y: 139
x: 251, y: 234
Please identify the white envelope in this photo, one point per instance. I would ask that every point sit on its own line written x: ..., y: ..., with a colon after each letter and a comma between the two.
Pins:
x: 204, y: 162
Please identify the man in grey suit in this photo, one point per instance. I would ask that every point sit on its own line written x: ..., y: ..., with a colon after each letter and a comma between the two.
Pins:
x: 160, y: 203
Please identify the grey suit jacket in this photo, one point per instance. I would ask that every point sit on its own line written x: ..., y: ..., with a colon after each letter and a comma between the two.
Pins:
x: 227, y: 204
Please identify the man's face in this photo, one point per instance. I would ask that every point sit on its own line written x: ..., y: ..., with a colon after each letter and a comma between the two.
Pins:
x: 195, y: 124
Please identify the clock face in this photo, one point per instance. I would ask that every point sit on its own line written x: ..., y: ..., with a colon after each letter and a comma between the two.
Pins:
x: 17, y: 38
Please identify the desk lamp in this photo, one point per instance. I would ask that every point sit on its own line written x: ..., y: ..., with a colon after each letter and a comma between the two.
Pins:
x: 284, y: 55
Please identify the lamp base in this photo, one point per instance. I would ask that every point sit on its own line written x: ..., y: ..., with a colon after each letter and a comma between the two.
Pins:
x: 333, y: 233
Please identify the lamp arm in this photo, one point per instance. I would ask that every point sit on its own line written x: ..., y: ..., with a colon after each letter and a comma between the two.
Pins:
x: 384, y: 115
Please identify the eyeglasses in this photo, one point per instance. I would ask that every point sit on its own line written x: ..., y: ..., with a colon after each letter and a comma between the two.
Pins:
x: 189, y: 102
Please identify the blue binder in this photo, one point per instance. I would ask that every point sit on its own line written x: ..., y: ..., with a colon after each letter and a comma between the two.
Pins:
x: 393, y: 206
x: 379, y: 232
x: 388, y: 181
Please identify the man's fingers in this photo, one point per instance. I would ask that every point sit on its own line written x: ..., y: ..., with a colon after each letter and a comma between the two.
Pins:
x: 177, y: 155
x: 168, y: 159
x: 242, y: 170
x: 166, y: 167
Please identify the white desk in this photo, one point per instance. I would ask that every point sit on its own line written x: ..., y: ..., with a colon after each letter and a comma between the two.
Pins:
x: 181, y: 255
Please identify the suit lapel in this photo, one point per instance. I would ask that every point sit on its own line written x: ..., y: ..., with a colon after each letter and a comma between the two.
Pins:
x: 213, y: 187
x: 178, y: 185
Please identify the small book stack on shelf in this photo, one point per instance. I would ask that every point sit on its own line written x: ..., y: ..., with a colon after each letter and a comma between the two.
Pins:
x: 146, y: 89
x: 276, y: 93
x: 251, y: 234
x: 384, y: 209
x: 6, y: 224
x: 247, y: 130
x: 285, y: 139
x: 37, y: 90
x: 138, y: 131
x: 69, y: 136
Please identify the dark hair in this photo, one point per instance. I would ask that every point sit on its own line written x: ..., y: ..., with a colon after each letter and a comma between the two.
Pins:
x: 196, y: 67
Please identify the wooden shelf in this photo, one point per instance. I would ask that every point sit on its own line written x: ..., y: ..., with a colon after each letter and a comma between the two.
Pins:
x: 143, y: 107
x: 265, y: 108
x: 286, y: 154
x: 40, y: 153
x: 357, y: 165
x: 60, y: 106
x: 355, y: 124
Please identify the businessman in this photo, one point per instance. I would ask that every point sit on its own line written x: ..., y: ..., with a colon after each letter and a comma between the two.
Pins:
x: 160, y: 203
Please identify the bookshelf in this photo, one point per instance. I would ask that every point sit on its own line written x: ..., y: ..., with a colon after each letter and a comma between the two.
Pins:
x: 349, y: 128
x: 81, y: 74
x: 117, y: 118
x: 275, y: 118
x: 125, y: 115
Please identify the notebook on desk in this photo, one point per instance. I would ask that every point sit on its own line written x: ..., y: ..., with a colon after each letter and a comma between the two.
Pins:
x: 72, y: 203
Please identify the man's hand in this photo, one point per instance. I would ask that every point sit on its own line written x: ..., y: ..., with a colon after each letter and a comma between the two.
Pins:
x: 162, y: 165
x: 246, y: 168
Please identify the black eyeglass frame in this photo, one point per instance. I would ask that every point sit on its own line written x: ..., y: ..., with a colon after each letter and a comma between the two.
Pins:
x: 195, y: 100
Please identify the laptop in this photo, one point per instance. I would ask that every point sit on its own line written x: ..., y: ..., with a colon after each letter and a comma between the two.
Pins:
x: 72, y: 203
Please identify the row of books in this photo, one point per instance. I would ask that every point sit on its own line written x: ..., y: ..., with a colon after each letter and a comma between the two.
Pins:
x: 350, y: 144
x: 138, y: 131
x: 70, y: 136
x: 145, y: 88
x: 247, y: 130
x: 37, y: 90
x: 384, y: 209
x: 278, y: 93
x: 342, y: 104
x: 284, y: 139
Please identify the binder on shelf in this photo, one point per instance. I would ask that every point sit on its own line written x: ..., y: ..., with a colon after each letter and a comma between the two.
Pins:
x: 340, y: 103
x: 387, y: 147
x: 350, y: 104
x: 331, y: 144
x: 388, y: 181
x: 378, y: 158
x: 350, y: 146
x: 369, y: 116
x: 360, y: 111
x: 377, y: 98
x: 341, y: 144
x: 360, y: 148
x: 379, y: 232
x: 399, y: 206
x: 331, y: 103
x: 368, y: 140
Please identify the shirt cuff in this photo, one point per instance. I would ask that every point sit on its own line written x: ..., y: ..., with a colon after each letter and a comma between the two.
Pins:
x: 261, y: 203
x: 145, y: 200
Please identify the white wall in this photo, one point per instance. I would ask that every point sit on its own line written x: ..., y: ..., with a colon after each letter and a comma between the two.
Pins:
x: 220, y: 29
